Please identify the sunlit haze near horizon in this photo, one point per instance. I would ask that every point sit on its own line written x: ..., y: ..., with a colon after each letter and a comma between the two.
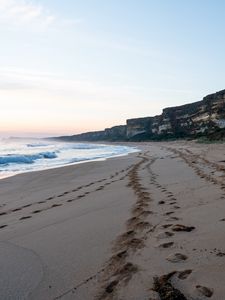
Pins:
x: 72, y: 66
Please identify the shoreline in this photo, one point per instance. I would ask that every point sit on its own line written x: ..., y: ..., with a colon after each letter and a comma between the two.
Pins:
x: 74, y: 163
x: 123, y: 228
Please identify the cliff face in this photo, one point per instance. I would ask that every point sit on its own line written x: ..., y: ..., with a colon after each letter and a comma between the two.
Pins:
x: 199, y: 118
x: 116, y: 133
x: 202, y: 118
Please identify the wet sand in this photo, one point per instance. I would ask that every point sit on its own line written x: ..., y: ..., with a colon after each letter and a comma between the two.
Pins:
x: 149, y: 225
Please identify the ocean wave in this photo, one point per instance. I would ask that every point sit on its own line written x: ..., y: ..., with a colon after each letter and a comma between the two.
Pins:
x: 80, y: 147
x: 25, y: 158
x: 86, y: 146
x: 37, y: 145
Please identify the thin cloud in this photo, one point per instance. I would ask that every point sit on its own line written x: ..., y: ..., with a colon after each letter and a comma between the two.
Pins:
x: 23, y: 13
x: 11, y: 78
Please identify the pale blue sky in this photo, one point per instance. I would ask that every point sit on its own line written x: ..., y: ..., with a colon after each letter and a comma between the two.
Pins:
x: 71, y: 66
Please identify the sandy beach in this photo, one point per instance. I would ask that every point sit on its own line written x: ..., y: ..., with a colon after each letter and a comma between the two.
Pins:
x: 149, y: 225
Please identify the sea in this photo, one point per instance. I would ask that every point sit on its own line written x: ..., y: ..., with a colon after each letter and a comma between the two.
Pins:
x: 28, y: 155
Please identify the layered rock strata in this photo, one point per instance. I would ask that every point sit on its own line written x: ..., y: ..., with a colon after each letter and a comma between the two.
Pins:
x: 202, y: 118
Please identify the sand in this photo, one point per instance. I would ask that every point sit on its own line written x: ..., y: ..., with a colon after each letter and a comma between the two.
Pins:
x: 149, y: 225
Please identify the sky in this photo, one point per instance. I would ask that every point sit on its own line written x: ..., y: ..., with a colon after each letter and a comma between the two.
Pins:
x: 72, y: 66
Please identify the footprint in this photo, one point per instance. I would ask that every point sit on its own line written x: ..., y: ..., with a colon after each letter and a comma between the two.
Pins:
x: 161, y: 202
x: 142, y: 203
x: 166, y: 245
x: 176, y: 207
x: 179, y: 227
x: 165, y: 289
x: 173, y: 219
x: 165, y: 234
x: 3, y: 213
x: 220, y: 254
x: 184, y: 274
x: 127, y: 235
x: 28, y: 205
x: 135, y: 243
x: 3, y: 226
x: 26, y: 217
x: 137, y: 210
x: 56, y: 205
x: 169, y: 213
x: 118, y: 256
x: 111, y: 286
x: 87, y: 185
x: 207, y: 292
x: 145, y: 213
x: 125, y: 271
x: 36, y: 211
x: 176, y: 257
x: 132, y: 221
x: 17, y: 209
x: 100, y: 188
x: 80, y: 196
x: 166, y: 225
x: 142, y: 225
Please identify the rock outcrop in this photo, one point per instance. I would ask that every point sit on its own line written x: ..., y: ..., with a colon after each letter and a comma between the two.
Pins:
x: 205, y: 117
x: 202, y: 118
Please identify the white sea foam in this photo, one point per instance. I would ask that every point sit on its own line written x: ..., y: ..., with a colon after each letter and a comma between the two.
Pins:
x: 19, y: 156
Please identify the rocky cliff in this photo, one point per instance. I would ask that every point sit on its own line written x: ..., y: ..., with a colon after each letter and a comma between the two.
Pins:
x: 202, y: 118
x: 205, y: 117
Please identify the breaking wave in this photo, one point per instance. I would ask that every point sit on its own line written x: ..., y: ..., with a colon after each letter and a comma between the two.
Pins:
x: 25, y: 159
x: 19, y: 156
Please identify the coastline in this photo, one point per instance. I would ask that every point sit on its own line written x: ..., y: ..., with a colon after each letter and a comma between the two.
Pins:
x: 106, y: 229
x: 80, y: 161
